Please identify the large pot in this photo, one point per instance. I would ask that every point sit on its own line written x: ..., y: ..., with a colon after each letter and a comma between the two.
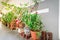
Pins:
x: 33, y: 35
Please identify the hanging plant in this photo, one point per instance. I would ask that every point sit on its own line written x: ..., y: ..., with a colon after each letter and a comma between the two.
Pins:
x: 36, y: 1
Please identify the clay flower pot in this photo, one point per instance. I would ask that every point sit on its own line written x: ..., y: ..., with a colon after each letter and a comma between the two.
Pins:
x: 19, y: 24
x: 33, y: 35
x: 12, y: 25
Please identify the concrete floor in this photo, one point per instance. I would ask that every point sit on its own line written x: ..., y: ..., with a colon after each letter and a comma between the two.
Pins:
x: 6, y: 34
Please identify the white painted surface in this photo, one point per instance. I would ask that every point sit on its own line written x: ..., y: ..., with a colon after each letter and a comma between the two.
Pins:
x: 50, y: 19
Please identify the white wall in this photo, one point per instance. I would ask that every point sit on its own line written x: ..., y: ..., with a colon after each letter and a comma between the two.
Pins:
x: 50, y: 19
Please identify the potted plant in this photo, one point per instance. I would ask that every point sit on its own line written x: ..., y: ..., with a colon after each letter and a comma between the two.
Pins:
x: 33, y: 21
x: 15, y: 11
x: 8, y: 19
x: 35, y: 24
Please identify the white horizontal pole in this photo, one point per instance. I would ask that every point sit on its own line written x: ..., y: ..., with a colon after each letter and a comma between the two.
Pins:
x: 46, y: 10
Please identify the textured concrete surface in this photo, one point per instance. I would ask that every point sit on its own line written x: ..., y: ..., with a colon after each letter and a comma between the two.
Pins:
x: 6, y: 34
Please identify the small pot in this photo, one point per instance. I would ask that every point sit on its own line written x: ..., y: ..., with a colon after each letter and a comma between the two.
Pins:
x: 33, y: 35
x: 12, y: 25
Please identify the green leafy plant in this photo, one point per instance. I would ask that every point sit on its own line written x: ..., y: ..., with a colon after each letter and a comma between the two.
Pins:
x: 33, y: 21
x: 12, y: 7
x: 36, y: 1
x: 25, y: 16
x: 35, y: 24
x: 8, y: 17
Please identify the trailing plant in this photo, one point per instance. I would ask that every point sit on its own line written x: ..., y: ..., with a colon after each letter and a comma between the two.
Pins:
x: 36, y: 1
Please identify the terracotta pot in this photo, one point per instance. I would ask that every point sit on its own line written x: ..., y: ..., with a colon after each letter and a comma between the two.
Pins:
x: 12, y: 25
x: 33, y: 35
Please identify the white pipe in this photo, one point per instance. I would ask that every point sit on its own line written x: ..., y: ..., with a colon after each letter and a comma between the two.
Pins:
x: 46, y: 10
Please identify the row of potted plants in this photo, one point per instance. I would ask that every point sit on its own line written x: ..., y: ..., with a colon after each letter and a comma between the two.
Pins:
x: 21, y: 17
